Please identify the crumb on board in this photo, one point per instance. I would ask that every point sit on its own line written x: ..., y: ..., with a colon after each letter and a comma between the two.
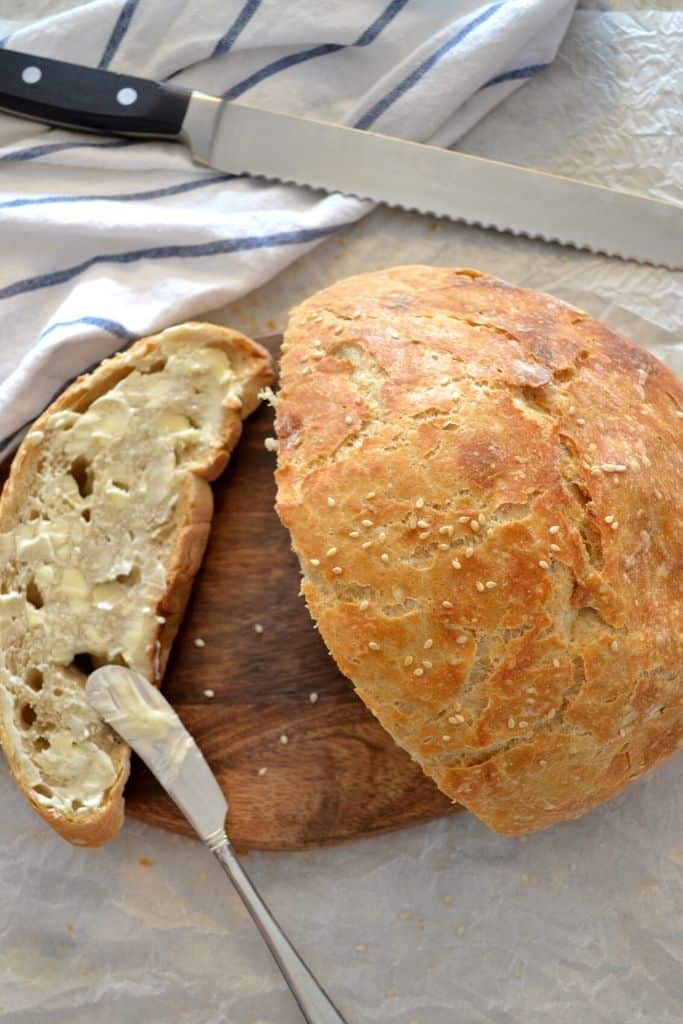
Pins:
x: 209, y: 693
x: 258, y: 628
x: 199, y: 641
x: 284, y: 739
x: 263, y: 771
x: 271, y: 444
x: 146, y: 862
x: 313, y: 697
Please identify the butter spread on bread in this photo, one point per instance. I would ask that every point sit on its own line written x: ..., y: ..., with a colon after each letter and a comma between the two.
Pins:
x: 103, y: 524
x: 483, y: 486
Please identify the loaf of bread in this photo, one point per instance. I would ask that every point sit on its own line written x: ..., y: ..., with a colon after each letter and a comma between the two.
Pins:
x: 103, y: 524
x: 484, y: 488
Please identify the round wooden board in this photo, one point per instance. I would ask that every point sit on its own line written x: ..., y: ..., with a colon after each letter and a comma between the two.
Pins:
x: 339, y: 776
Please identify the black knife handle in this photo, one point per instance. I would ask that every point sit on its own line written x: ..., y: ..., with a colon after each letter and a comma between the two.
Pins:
x: 87, y: 99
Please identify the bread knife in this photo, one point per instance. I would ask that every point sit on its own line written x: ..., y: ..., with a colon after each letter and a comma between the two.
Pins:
x: 139, y: 713
x: 278, y: 147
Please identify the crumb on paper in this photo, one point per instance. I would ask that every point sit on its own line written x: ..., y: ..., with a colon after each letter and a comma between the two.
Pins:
x: 447, y: 900
x: 262, y: 771
x: 360, y: 948
x: 389, y: 993
x: 313, y: 697
x: 199, y: 641
x: 258, y: 628
x: 284, y: 739
x: 209, y: 693
x: 460, y: 929
x: 69, y: 927
x: 146, y: 862
x: 405, y: 915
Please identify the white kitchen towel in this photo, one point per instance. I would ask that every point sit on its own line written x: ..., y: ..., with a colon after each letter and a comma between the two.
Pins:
x: 104, y: 240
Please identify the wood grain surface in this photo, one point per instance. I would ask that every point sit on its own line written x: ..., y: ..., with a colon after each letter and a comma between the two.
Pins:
x: 338, y: 776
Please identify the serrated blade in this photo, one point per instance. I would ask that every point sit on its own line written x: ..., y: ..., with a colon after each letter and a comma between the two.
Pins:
x: 412, y: 176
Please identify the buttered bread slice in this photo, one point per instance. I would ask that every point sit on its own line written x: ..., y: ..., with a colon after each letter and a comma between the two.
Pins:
x: 103, y: 524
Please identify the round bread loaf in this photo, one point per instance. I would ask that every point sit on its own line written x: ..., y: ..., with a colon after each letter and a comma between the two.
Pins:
x: 483, y: 486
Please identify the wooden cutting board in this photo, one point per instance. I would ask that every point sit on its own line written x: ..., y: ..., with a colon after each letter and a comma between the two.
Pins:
x: 338, y: 776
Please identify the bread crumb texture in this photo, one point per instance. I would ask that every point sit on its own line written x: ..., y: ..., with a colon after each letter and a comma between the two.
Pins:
x: 103, y: 523
x: 524, y: 466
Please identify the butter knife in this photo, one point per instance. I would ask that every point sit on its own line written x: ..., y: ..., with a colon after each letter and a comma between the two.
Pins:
x: 246, y: 140
x: 138, y: 712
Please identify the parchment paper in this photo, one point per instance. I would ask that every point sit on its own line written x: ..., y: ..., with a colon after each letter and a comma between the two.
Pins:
x: 448, y: 923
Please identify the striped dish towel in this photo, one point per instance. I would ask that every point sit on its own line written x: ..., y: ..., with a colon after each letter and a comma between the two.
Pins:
x: 104, y: 240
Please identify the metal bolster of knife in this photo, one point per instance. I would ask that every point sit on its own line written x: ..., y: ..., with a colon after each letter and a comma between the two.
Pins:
x: 199, y: 125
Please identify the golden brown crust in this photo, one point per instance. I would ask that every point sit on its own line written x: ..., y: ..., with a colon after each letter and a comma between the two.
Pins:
x: 193, y: 515
x: 483, y: 487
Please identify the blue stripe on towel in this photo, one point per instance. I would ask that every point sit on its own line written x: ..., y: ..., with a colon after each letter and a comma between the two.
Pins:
x: 364, y: 39
x: 399, y: 90
x: 32, y: 152
x: 221, y: 247
x: 112, y: 326
x: 510, y: 76
x: 226, y: 42
x: 118, y: 32
x: 122, y: 197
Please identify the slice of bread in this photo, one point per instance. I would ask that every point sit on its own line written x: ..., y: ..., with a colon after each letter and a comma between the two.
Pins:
x: 103, y: 524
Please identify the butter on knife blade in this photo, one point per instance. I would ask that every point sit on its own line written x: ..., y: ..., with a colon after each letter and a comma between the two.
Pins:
x: 139, y: 713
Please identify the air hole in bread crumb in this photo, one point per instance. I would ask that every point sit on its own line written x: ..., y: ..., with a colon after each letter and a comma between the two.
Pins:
x: 85, y: 514
x: 41, y: 744
x: 76, y: 805
x: 130, y: 578
x: 84, y: 662
x: 120, y: 485
x: 42, y: 790
x: 34, y: 679
x: 33, y: 594
x: 27, y: 716
x: 82, y: 473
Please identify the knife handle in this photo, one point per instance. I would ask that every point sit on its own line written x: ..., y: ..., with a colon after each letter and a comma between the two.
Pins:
x: 88, y: 99
x: 314, y: 1003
